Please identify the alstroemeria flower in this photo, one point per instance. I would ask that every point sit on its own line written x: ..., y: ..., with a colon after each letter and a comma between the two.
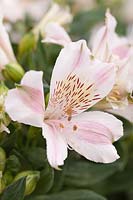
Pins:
x: 78, y: 82
x: 100, y: 37
x: 109, y: 47
x: 102, y: 49
x: 126, y: 112
x: 11, y: 10
x: 9, y: 68
x: 56, y: 34
x: 14, y: 10
x: 6, y: 52
x: 125, y: 81
x: 56, y: 13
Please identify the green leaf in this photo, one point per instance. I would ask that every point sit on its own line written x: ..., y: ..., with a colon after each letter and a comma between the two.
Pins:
x: 71, y: 195
x: 119, y: 182
x: 27, y: 43
x: 36, y: 156
x: 46, y: 180
x: 13, y: 164
x: 87, y: 173
x: 14, y: 191
x: 8, y: 141
x: 58, y: 180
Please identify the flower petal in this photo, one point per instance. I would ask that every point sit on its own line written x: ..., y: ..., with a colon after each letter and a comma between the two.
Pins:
x: 130, y: 72
x: 82, y: 83
x: 102, y: 43
x: 56, y: 145
x: 33, y: 79
x: 71, y: 57
x: 5, y: 42
x: 56, y: 13
x: 92, y: 135
x: 25, y: 104
x: 121, y: 49
x: 56, y: 34
x: 126, y: 112
x: 3, y: 59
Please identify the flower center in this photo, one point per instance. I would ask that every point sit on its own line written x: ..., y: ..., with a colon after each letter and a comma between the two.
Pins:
x: 72, y: 96
x: 117, y: 96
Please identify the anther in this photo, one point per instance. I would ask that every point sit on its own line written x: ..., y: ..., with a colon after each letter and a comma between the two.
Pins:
x: 75, y: 128
x: 69, y: 118
x: 61, y: 125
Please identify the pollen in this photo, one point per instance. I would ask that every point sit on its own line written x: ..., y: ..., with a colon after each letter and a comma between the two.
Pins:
x: 69, y: 118
x: 61, y: 125
x: 69, y: 113
x: 115, y: 95
x: 75, y: 128
x: 46, y: 118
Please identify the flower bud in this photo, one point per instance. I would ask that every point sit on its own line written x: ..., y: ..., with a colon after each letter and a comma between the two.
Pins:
x: 8, y: 178
x: 32, y: 178
x: 47, y: 99
x: 27, y: 43
x: 4, y: 119
x: 3, y: 89
x: 13, y: 164
x: 2, y: 183
x: 56, y: 13
x: 13, y: 72
x: 2, y: 159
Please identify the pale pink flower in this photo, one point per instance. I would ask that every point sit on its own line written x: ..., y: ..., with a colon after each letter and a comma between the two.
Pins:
x: 6, y: 51
x: 56, y: 13
x: 14, y: 10
x: 126, y: 81
x: 11, y: 10
x: 35, y: 8
x: 130, y: 62
x: 118, y: 52
x: 126, y: 112
x: 109, y: 47
x: 56, y: 34
x: 78, y: 82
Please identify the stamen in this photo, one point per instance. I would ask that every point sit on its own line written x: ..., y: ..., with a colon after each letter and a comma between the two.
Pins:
x: 72, y: 95
x: 61, y: 125
x: 46, y: 118
x: 69, y: 113
x: 69, y: 118
x: 75, y: 128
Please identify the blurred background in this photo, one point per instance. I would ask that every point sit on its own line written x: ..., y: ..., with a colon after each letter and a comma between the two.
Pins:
x: 23, y: 14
